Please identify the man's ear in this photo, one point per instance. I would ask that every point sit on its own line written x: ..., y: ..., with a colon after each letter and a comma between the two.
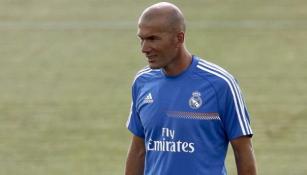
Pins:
x: 180, y: 38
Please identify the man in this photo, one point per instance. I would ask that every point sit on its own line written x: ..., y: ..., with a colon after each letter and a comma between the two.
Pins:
x: 184, y: 110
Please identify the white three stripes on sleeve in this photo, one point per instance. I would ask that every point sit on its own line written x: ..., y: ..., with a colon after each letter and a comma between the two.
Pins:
x: 141, y: 72
x: 235, y: 90
x: 129, y: 117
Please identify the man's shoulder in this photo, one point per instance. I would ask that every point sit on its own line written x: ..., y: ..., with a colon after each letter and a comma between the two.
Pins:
x: 146, y: 74
x: 215, y: 74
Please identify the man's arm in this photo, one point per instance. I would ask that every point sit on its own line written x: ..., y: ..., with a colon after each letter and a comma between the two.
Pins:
x: 136, y: 157
x: 244, y: 155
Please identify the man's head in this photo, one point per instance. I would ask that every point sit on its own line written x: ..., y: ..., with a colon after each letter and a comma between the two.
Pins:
x: 161, y: 29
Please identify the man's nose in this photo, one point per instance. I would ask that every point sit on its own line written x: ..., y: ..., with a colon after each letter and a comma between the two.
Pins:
x: 145, y: 47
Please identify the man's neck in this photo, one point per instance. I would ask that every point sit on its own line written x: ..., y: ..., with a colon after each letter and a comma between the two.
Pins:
x: 182, y: 63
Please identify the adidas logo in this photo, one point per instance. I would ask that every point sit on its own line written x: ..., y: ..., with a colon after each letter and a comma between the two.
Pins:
x: 148, y: 98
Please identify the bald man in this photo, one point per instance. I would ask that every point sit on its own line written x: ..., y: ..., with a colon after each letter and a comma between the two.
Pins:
x: 185, y: 110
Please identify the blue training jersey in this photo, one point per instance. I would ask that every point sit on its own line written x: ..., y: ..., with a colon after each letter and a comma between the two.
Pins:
x: 187, y: 120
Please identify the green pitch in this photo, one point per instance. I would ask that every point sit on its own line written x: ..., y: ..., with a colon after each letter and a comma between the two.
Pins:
x: 66, y: 68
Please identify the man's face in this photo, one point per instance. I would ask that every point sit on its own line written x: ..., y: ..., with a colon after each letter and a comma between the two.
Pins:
x: 158, y: 44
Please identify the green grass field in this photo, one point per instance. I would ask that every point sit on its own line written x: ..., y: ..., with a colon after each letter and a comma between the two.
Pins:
x: 66, y: 68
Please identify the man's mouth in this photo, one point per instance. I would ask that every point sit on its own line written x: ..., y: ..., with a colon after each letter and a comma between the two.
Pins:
x: 151, y: 58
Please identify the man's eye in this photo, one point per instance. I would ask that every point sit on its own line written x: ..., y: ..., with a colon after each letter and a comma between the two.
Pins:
x: 151, y: 38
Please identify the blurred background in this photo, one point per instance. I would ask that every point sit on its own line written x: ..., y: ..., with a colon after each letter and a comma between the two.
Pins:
x: 66, y: 69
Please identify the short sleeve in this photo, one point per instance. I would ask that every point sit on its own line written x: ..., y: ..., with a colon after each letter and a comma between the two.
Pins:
x: 235, y: 115
x: 134, y: 123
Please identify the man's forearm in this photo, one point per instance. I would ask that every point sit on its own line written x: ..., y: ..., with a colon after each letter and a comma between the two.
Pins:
x: 246, y: 166
x: 244, y: 155
x: 134, y: 164
x: 135, y: 158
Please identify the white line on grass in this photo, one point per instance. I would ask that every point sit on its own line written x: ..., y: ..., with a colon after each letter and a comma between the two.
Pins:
x: 125, y: 25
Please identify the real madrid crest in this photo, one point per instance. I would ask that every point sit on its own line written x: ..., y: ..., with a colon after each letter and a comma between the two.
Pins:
x: 195, y: 101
